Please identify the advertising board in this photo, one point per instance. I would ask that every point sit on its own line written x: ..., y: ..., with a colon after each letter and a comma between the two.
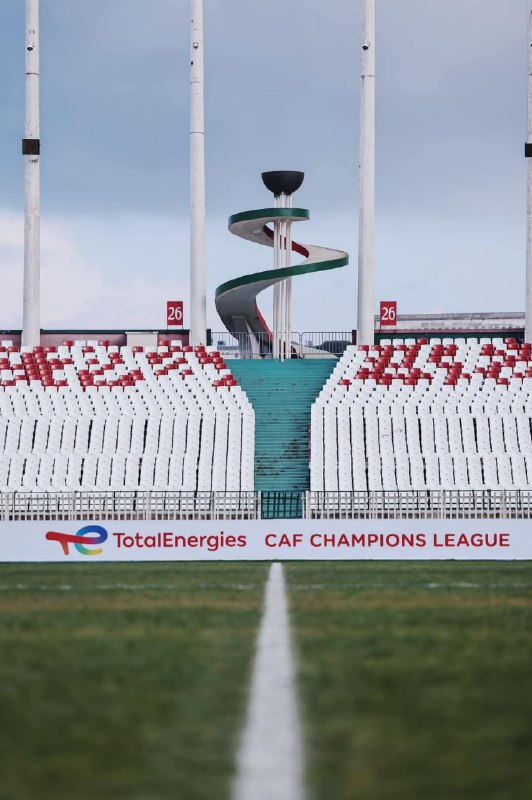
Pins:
x: 263, y: 540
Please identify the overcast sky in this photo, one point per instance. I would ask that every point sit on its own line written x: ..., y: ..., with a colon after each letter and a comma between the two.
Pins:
x: 282, y: 92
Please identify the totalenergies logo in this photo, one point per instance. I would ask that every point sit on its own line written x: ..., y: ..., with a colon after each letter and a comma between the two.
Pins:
x: 90, y: 534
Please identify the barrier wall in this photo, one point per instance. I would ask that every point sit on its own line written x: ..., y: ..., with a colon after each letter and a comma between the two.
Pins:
x: 240, y: 540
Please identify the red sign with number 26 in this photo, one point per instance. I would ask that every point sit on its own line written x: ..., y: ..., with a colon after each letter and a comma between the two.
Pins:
x: 388, y: 313
x: 174, y: 312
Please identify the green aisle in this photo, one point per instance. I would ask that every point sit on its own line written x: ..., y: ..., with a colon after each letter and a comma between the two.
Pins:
x: 282, y: 394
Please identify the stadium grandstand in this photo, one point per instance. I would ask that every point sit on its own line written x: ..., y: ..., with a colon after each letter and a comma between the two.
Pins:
x: 246, y: 560
x: 410, y: 427
x: 439, y: 427
x: 164, y: 428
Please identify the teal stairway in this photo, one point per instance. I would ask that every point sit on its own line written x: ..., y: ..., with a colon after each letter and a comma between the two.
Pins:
x: 282, y: 394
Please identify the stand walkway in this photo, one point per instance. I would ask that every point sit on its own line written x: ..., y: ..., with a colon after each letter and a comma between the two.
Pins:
x: 282, y: 394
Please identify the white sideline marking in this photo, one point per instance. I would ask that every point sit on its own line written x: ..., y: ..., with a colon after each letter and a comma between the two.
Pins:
x: 270, y: 760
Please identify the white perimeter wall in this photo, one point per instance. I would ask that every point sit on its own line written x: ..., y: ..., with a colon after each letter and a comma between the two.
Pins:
x: 266, y: 540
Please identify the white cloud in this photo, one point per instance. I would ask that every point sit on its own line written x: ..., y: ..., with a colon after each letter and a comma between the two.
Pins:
x: 78, y: 286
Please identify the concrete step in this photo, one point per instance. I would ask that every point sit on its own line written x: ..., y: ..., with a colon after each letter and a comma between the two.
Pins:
x: 282, y: 395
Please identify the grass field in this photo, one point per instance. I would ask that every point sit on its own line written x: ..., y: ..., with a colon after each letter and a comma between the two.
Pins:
x: 415, y: 679
x: 124, y: 682
x: 130, y: 681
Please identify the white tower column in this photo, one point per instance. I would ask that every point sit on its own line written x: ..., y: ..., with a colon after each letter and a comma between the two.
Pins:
x: 198, y: 301
x: 288, y: 283
x: 282, y: 291
x: 366, y: 235
x: 282, y: 184
x: 277, y: 288
x: 32, y: 204
x: 528, y: 151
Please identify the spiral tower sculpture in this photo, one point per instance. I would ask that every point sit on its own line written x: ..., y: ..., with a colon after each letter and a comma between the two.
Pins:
x: 236, y: 300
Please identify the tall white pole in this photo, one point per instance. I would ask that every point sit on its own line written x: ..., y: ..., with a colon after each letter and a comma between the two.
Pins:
x: 198, y: 301
x: 31, y: 148
x: 528, y: 314
x: 366, y: 236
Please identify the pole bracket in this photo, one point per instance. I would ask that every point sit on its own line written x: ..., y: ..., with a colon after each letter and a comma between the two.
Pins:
x: 31, y: 147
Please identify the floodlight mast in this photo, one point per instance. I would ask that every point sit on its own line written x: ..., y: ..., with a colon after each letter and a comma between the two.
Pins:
x: 366, y: 235
x: 528, y: 153
x: 198, y: 301
x: 31, y: 149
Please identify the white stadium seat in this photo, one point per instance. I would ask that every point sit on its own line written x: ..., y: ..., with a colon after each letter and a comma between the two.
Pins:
x: 96, y: 417
x: 442, y: 415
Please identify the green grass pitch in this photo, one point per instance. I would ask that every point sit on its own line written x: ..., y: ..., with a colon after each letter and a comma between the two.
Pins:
x: 130, y: 681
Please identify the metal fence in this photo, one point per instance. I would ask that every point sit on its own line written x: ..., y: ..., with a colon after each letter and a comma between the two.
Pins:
x: 131, y: 506
x: 487, y: 504
x: 64, y: 506
x: 304, y: 345
x: 243, y: 345
x: 281, y: 505
x: 329, y: 342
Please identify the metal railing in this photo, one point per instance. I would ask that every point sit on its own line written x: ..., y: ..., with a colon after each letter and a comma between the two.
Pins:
x: 282, y: 505
x: 304, y: 345
x: 243, y: 345
x: 487, y: 504
x: 156, y: 505
x: 149, y: 505
x: 332, y: 343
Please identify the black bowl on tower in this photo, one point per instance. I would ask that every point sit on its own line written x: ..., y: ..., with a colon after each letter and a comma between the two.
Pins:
x: 283, y: 181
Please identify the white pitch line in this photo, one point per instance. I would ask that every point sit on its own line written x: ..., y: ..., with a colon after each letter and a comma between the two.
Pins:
x: 270, y: 761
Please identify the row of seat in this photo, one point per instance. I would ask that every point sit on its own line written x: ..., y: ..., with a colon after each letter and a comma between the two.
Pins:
x: 419, y: 473
x: 87, y: 366
x: 355, y: 452
x: 369, y: 434
x: 441, y: 431
x: 148, y: 397
x: 426, y: 363
x: 161, y: 472
x: 458, y: 340
x: 188, y: 428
